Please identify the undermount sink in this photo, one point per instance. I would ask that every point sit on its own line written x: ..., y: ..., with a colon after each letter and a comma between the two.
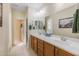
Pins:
x: 70, y: 42
x: 45, y: 34
x: 67, y: 41
x: 48, y: 35
x: 73, y: 44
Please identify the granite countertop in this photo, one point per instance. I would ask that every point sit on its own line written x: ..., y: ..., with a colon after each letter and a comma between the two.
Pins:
x: 69, y: 46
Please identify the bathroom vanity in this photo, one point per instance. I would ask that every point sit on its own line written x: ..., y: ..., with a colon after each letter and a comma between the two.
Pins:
x: 48, y: 46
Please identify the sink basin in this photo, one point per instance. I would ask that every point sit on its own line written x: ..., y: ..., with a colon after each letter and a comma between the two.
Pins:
x: 54, y: 37
x: 71, y: 42
x: 48, y: 35
x: 45, y: 34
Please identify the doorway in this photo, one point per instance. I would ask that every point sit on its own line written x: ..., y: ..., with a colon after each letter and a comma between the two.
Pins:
x: 18, y: 32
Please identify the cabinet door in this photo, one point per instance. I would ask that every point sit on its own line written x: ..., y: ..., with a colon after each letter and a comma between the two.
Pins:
x: 31, y: 37
x: 35, y: 44
x: 40, y: 47
x: 48, y: 49
x: 56, y: 51
x: 60, y: 52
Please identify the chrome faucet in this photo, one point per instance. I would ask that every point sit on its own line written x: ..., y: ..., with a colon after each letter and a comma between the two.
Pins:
x: 63, y: 39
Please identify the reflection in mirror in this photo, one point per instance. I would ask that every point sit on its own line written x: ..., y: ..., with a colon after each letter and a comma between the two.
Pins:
x: 49, y: 25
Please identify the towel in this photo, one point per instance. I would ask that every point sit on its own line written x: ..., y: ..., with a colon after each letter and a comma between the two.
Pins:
x: 75, y: 28
x: 78, y: 21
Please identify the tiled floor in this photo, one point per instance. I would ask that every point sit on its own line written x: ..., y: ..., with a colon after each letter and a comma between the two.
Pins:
x: 21, y: 50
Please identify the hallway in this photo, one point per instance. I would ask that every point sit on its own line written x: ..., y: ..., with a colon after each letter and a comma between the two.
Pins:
x: 21, y: 50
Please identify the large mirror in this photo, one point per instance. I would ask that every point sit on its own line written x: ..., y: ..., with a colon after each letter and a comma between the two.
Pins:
x: 48, y: 25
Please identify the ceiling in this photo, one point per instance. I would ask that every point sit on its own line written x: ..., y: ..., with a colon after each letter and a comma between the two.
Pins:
x: 24, y: 6
x: 38, y: 6
x: 19, y: 6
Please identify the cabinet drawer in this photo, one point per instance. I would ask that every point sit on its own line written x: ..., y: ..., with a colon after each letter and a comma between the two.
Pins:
x: 40, y: 43
x: 40, y: 46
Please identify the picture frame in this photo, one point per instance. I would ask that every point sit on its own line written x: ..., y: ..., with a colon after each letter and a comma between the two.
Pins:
x: 66, y: 22
x: 0, y: 14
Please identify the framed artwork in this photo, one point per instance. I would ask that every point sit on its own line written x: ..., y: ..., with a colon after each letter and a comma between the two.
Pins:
x: 66, y: 22
x: 0, y: 14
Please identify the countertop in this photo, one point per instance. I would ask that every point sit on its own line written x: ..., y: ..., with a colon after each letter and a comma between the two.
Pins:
x: 56, y: 41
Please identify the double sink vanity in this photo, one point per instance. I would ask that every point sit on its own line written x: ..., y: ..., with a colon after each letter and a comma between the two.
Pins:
x: 53, y: 45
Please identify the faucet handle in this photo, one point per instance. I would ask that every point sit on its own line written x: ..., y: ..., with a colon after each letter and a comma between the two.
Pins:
x: 63, y: 38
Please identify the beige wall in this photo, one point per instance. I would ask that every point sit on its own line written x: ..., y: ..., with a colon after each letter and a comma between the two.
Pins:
x: 6, y: 30
x: 17, y: 15
x: 63, y: 14
x: 1, y: 42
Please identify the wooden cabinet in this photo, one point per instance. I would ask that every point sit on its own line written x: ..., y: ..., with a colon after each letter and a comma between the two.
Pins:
x: 40, y: 47
x: 34, y: 43
x: 31, y: 37
x: 60, y: 52
x: 43, y: 48
x: 48, y: 49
